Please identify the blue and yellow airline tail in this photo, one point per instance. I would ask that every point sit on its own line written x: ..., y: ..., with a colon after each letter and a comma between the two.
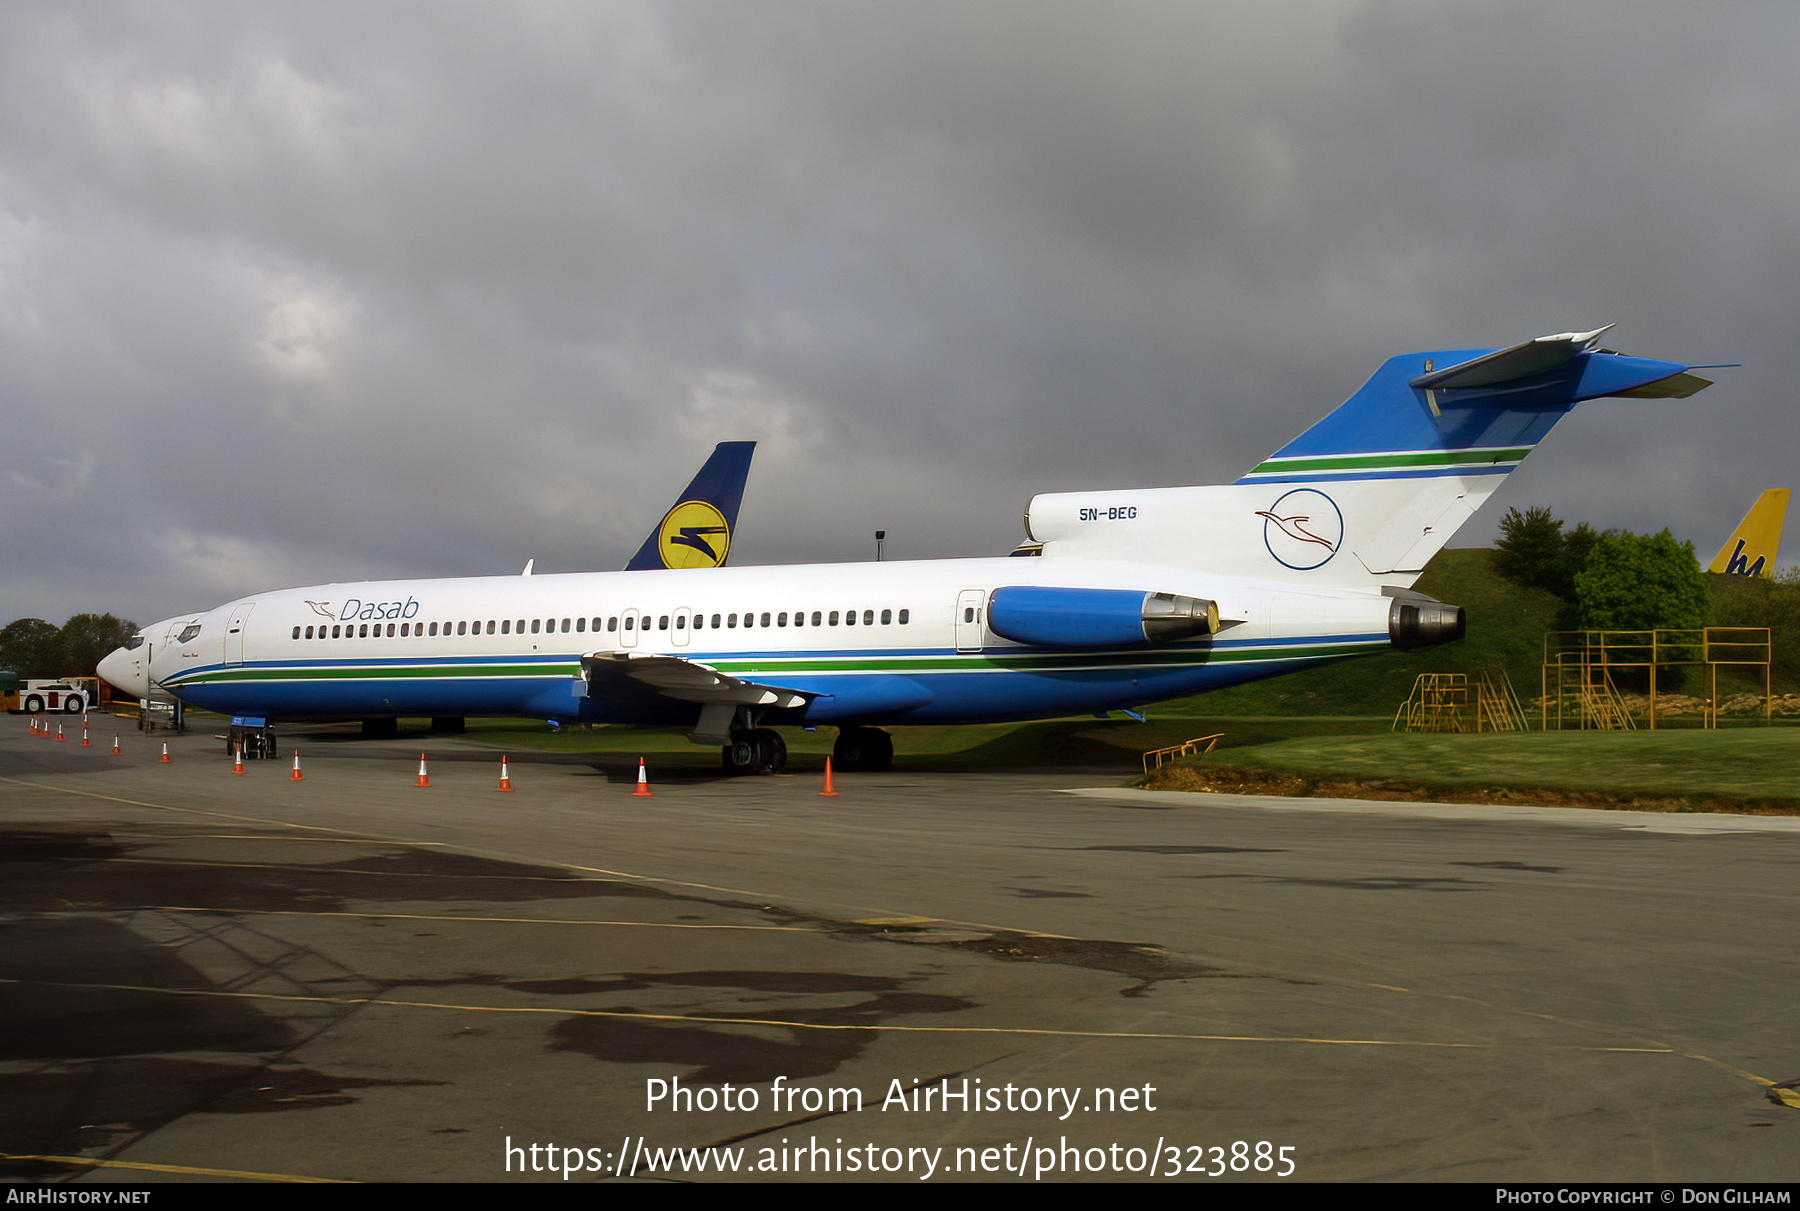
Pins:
x: 1365, y: 497
x: 1751, y: 549
x: 696, y: 533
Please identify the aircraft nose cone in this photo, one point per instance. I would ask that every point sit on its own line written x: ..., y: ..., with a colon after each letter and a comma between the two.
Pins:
x: 123, y: 669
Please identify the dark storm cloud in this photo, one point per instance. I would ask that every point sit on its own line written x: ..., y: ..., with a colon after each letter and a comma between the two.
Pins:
x: 293, y: 294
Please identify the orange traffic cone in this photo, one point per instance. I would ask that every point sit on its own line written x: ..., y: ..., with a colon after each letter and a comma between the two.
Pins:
x: 165, y: 756
x: 85, y: 742
x: 33, y: 729
x: 505, y: 782
x: 59, y: 735
x: 296, y: 776
x: 643, y: 786
x: 830, y: 792
x: 424, y: 779
x: 237, y: 760
x: 116, y: 751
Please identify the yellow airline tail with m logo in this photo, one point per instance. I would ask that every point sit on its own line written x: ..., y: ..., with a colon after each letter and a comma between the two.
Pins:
x: 1750, y: 551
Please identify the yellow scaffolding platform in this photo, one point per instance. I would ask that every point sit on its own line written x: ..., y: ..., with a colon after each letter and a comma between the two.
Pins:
x: 1155, y: 758
x: 1451, y: 702
x: 1579, y: 667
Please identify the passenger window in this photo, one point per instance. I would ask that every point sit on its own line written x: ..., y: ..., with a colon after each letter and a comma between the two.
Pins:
x: 699, y: 622
x: 715, y: 623
x: 681, y: 622
x: 297, y: 632
x: 462, y: 628
x: 565, y: 626
x: 849, y: 618
x: 887, y: 616
x: 612, y: 624
x: 596, y: 626
x: 365, y: 631
x: 749, y: 620
x: 334, y: 633
x: 781, y: 619
x: 580, y: 624
x: 904, y: 615
x: 765, y: 619
x: 519, y: 626
x: 832, y: 620
x: 490, y: 629
x: 968, y: 613
x: 390, y: 630
x: 628, y: 621
x: 815, y: 618
x: 506, y: 626
x: 662, y: 623
x: 868, y: 618
x: 730, y: 620
x: 534, y: 626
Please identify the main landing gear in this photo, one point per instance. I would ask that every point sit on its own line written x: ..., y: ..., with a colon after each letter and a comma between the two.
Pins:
x: 757, y: 750
x: 863, y: 748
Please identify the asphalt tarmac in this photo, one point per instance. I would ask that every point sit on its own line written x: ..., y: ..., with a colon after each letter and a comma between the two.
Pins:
x: 1022, y: 977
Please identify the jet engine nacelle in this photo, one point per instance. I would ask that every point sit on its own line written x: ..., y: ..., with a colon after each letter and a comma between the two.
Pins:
x: 1418, y: 621
x: 1044, y: 616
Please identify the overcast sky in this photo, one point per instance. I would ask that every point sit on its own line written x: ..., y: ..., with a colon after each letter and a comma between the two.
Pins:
x: 306, y: 292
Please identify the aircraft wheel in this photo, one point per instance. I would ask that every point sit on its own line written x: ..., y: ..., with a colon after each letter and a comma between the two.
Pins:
x: 772, y: 749
x: 863, y: 748
x: 740, y: 756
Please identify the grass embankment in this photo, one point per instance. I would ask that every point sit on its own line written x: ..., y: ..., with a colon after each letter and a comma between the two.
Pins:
x: 1738, y: 770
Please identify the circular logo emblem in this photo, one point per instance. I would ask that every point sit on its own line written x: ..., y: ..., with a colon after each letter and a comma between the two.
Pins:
x: 1303, y: 529
x: 693, y: 535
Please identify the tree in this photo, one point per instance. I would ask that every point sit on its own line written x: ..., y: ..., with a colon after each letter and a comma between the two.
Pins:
x: 1756, y: 601
x: 86, y: 638
x: 28, y: 646
x: 1535, y: 553
x: 1641, y: 582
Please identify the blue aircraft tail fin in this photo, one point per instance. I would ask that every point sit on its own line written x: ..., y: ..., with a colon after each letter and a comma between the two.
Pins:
x: 1466, y: 412
x: 1369, y: 494
x: 697, y: 532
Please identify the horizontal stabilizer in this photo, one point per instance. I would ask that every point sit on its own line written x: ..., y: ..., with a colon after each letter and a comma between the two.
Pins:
x: 1509, y: 365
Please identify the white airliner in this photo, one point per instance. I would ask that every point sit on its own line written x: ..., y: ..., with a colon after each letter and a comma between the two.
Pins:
x: 1135, y: 595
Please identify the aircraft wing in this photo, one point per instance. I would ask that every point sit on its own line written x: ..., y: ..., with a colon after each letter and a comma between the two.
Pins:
x: 631, y: 676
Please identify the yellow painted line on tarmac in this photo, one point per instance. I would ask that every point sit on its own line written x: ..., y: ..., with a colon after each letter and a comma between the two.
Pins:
x: 1782, y: 1093
x: 168, y: 807
x: 183, y: 1170
x: 346, y: 834
x: 706, y: 1019
x: 419, y: 916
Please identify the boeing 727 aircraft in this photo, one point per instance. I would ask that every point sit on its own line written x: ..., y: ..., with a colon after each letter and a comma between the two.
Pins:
x: 1135, y: 595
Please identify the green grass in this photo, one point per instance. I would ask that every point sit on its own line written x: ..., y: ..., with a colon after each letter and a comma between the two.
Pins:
x: 1748, y: 762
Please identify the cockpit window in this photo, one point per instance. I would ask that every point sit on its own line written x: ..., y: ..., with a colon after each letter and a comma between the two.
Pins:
x: 134, y: 643
x: 188, y: 633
